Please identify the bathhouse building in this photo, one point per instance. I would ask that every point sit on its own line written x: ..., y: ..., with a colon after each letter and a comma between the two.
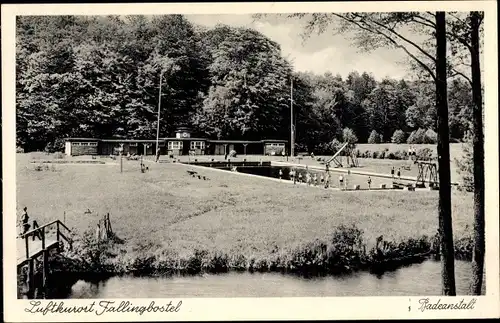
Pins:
x: 183, y: 143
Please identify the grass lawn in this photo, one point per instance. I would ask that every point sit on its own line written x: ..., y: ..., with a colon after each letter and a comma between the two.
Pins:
x: 455, y: 148
x: 230, y: 212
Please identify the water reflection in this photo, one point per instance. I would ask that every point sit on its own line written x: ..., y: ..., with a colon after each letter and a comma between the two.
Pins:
x: 420, y: 279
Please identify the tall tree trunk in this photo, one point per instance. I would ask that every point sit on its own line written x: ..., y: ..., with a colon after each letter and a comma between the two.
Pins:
x: 443, y: 150
x: 478, y: 147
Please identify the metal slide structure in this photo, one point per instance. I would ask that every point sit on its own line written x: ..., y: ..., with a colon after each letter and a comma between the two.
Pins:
x: 334, y: 157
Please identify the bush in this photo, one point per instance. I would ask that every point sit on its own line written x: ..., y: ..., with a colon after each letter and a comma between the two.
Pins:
x: 19, y: 150
x: 416, y: 137
x: 347, y: 248
x: 232, y: 153
x: 94, y: 254
x: 58, y: 155
x: 343, y: 252
x: 430, y: 137
x: 424, y: 154
x: 400, y: 154
x: 374, y: 137
x: 349, y: 136
x: 398, y: 137
x: 57, y: 145
x: 464, y: 248
x: 335, y: 145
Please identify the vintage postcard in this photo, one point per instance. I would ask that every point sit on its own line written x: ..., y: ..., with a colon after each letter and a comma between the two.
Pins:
x: 250, y: 161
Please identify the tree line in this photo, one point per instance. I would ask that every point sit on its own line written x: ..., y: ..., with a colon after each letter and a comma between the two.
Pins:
x: 81, y: 76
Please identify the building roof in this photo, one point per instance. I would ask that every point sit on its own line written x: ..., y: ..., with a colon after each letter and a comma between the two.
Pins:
x: 183, y: 128
x: 180, y: 139
x: 222, y: 141
x: 82, y: 139
x: 113, y: 140
x: 184, y: 139
x: 131, y: 140
x: 274, y: 140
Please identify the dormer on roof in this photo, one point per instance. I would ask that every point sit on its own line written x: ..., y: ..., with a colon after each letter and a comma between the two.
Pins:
x: 183, y: 132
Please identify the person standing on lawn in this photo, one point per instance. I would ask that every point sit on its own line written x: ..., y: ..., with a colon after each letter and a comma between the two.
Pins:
x: 347, y: 177
x: 157, y: 154
x: 369, y: 182
x: 399, y: 173
x: 392, y: 172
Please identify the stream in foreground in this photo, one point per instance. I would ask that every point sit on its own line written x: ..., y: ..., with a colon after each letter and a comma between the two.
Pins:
x: 415, y: 280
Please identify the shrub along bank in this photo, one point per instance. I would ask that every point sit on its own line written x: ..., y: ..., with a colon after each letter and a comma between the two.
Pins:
x: 344, y: 251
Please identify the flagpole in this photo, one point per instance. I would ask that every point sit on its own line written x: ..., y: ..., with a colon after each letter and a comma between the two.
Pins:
x: 292, y: 139
x: 158, y: 123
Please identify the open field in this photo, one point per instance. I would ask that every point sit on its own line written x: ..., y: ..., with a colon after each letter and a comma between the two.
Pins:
x: 167, y: 208
x: 455, y: 149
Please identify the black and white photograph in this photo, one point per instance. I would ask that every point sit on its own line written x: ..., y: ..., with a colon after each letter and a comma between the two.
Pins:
x: 258, y: 154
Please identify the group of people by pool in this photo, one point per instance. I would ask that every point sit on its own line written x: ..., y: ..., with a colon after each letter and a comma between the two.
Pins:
x: 324, y: 179
x: 398, y: 174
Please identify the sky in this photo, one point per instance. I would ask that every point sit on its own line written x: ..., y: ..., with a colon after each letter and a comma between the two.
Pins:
x: 318, y: 54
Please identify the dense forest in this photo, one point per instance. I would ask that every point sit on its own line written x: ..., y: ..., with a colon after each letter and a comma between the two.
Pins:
x: 85, y: 76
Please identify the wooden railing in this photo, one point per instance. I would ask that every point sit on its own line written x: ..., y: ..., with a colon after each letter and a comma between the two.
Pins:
x: 41, y: 230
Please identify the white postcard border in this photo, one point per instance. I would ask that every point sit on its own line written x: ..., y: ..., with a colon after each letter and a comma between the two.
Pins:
x: 258, y: 308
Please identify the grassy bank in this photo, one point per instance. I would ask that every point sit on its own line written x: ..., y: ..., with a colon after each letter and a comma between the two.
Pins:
x: 167, y: 217
x: 342, y: 252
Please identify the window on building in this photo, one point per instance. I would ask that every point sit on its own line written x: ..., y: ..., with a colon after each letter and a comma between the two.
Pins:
x: 84, y: 143
x: 197, y: 145
x: 175, y: 145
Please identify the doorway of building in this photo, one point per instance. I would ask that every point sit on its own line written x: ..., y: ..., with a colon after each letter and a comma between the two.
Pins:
x: 186, y: 146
